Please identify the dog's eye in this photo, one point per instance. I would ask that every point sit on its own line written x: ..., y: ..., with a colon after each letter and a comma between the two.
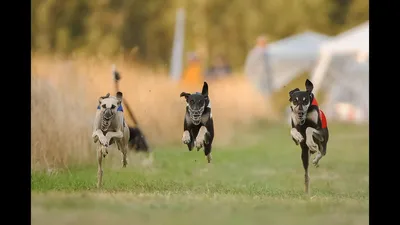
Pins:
x: 294, y: 102
x: 113, y: 107
x: 191, y: 102
x: 104, y: 106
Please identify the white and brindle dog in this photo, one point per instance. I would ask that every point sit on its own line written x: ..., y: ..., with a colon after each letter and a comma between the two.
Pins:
x: 110, y: 128
x: 310, y: 122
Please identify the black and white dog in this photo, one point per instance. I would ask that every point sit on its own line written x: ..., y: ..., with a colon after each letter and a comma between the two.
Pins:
x: 198, y: 126
x: 308, y: 122
x: 137, y: 141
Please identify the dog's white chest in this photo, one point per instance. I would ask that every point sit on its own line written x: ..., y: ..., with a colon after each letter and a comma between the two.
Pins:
x: 295, y: 119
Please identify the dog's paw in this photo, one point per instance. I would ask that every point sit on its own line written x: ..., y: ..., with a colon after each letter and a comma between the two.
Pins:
x: 104, y: 151
x: 296, y: 135
x: 199, y: 142
x: 209, y: 158
x: 124, y: 163
x: 104, y: 141
x: 186, y: 137
x: 311, y: 145
x: 316, y: 159
x: 95, y: 139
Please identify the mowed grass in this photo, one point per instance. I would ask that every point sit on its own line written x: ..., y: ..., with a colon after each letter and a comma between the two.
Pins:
x: 259, y: 180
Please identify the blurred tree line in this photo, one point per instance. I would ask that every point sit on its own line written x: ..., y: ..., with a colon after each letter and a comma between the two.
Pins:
x: 229, y: 27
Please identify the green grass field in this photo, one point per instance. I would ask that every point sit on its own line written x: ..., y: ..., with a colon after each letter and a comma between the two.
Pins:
x: 257, y: 181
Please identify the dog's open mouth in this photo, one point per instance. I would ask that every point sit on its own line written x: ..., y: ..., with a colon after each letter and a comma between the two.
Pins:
x: 301, y: 115
x: 196, y: 118
x: 108, y: 115
x: 107, y: 118
x: 195, y: 115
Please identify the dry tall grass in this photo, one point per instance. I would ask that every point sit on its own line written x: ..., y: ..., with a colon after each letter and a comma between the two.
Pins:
x: 64, y: 100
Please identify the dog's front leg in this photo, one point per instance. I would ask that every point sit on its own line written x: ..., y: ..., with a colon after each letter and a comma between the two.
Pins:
x: 199, y: 142
x: 100, y: 155
x: 310, y: 140
x: 98, y: 135
x: 297, y: 137
x: 117, y: 134
x: 124, y: 150
x: 186, y: 137
x: 186, y: 127
x: 305, y: 156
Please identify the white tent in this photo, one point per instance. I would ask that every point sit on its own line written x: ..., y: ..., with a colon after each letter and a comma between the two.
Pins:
x: 343, y: 71
x: 307, y: 43
x: 293, y: 55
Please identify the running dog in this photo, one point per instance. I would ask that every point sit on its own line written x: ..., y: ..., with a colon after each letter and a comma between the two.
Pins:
x: 198, y: 126
x: 137, y: 140
x: 109, y: 128
x: 308, y: 122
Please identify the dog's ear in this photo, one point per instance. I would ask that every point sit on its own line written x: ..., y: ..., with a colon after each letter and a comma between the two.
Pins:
x: 186, y: 95
x: 309, y: 86
x: 119, y: 97
x: 291, y: 93
x: 103, y: 97
x: 204, y: 91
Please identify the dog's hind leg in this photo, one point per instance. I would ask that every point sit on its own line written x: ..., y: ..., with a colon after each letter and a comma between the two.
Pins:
x: 322, y: 139
x: 321, y: 153
x: 99, y: 165
x: 305, y: 157
x: 124, y: 150
x: 317, y: 158
x: 124, y: 160
x: 190, y: 145
x: 207, y: 152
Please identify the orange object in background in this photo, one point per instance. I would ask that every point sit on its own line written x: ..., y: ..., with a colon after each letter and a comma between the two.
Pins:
x: 192, y: 75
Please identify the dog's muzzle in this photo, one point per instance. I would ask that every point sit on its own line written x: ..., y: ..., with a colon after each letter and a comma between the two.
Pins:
x: 108, y: 114
x: 195, y: 114
x: 301, y: 114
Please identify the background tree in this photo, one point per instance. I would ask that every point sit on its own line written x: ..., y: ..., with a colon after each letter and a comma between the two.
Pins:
x: 229, y: 27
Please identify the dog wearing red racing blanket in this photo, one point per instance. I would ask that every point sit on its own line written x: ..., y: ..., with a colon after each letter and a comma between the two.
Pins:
x: 309, y: 127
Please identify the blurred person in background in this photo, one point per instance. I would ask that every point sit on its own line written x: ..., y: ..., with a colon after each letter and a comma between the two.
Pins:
x: 192, y: 75
x: 220, y: 68
x: 257, y: 67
